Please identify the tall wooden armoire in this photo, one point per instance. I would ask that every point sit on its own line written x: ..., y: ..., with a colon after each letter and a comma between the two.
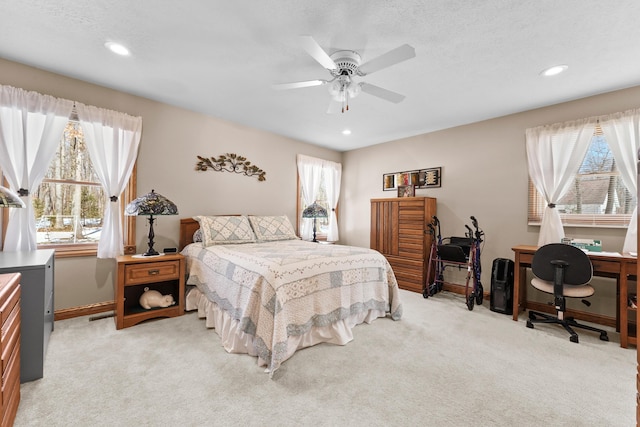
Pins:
x: 399, y: 232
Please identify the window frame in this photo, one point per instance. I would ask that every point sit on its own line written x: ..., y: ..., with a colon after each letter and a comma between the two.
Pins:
x: 536, y: 205
x: 91, y: 249
x: 300, y: 207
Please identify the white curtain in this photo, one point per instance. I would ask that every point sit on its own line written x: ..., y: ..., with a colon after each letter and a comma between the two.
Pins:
x: 31, y: 125
x: 333, y: 175
x: 310, y: 173
x: 622, y: 133
x: 554, y: 155
x: 112, y: 142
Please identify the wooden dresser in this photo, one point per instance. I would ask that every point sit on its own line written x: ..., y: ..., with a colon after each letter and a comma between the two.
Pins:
x: 37, y: 276
x: 399, y: 231
x: 9, y: 347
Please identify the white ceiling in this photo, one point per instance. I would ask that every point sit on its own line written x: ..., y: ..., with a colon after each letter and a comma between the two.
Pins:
x: 475, y: 59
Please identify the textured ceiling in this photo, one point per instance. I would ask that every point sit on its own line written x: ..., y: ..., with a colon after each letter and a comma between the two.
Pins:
x: 475, y: 60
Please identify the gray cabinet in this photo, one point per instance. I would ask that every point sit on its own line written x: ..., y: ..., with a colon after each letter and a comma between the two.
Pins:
x: 36, y: 306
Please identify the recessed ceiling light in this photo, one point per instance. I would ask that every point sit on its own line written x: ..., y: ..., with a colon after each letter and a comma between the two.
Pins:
x: 553, y: 71
x: 117, y: 48
x: 346, y: 132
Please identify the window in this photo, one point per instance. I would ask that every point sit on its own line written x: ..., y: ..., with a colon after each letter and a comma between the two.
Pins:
x: 322, y: 224
x: 598, y: 197
x: 69, y: 203
x: 318, y: 182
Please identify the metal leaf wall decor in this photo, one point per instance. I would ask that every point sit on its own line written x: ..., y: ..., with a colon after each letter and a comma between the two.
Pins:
x: 230, y: 162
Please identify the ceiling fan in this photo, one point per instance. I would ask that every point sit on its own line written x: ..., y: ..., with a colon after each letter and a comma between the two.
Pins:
x: 346, y: 69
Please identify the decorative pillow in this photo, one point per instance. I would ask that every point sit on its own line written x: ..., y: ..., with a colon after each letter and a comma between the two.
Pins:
x: 197, y: 235
x: 220, y: 230
x: 268, y: 228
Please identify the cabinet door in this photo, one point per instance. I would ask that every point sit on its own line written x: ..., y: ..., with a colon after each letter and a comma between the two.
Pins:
x: 384, y: 227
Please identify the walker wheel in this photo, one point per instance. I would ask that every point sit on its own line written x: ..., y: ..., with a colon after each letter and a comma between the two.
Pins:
x: 479, y: 294
x: 425, y: 293
x: 470, y: 301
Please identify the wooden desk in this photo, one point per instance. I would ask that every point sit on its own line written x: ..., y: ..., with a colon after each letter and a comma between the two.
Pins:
x: 618, y: 267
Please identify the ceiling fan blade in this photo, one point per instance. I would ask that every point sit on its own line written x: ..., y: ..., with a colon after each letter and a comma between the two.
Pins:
x: 296, y: 85
x: 388, y: 59
x: 385, y: 94
x: 313, y: 48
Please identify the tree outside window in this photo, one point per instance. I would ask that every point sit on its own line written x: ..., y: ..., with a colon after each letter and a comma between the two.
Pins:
x: 69, y: 203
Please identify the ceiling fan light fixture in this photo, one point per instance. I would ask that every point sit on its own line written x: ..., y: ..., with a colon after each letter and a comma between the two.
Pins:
x: 346, y: 132
x: 353, y: 89
x: 554, y: 71
x: 345, y: 67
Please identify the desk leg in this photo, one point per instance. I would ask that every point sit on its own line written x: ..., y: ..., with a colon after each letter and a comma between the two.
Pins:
x: 519, y: 288
x: 623, y: 325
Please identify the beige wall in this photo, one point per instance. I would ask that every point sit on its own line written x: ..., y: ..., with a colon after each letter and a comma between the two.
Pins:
x: 171, y: 140
x: 484, y: 173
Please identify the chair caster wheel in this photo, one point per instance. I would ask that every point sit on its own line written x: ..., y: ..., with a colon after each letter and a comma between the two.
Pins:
x: 529, y: 324
x: 573, y: 338
x: 604, y: 336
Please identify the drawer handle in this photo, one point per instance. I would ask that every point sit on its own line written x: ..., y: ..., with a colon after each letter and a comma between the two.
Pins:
x: 154, y: 272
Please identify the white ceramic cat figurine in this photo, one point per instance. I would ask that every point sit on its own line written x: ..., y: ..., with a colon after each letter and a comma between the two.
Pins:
x: 150, y: 299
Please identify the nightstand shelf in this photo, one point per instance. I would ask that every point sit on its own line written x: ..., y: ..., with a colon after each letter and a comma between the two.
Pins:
x: 164, y: 274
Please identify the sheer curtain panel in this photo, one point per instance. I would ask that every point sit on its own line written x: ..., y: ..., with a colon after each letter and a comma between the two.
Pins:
x: 112, y: 142
x: 622, y: 133
x: 333, y: 176
x: 310, y: 173
x: 554, y: 155
x: 31, y: 125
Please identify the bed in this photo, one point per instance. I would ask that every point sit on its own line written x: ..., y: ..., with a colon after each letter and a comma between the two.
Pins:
x: 267, y: 293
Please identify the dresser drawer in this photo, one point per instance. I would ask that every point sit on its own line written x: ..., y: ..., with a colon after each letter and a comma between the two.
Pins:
x: 9, y: 304
x: 11, y: 379
x: 152, y: 271
x: 10, y: 337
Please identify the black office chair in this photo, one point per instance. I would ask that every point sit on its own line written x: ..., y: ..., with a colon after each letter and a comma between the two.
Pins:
x: 563, y: 271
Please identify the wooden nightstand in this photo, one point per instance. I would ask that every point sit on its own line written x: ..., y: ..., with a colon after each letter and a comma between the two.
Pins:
x: 164, y: 274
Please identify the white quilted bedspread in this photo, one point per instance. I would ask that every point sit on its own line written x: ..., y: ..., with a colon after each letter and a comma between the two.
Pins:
x: 280, y: 289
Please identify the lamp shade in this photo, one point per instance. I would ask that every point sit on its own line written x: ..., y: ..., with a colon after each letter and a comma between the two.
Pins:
x: 9, y: 199
x: 151, y: 204
x: 314, y: 210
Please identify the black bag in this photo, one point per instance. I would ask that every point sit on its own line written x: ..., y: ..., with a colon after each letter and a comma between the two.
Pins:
x: 502, y: 286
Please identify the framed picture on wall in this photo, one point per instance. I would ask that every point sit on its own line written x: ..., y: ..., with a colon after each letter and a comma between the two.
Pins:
x: 430, y: 178
x: 406, y: 191
x: 389, y: 181
x: 420, y: 178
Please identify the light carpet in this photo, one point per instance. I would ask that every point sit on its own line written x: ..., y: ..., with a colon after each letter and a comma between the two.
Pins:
x: 441, y: 365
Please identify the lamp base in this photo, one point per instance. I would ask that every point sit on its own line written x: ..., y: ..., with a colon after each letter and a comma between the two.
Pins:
x: 151, y: 251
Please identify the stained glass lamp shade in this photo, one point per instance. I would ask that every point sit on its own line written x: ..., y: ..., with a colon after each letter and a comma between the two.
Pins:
x: 151, y: 204
x: 9, y: 199
x: 314, y: 211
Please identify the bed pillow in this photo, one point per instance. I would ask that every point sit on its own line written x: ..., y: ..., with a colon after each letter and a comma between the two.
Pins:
x: 269, y: 228
x: 197, y: 236
x: 222, y: 230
